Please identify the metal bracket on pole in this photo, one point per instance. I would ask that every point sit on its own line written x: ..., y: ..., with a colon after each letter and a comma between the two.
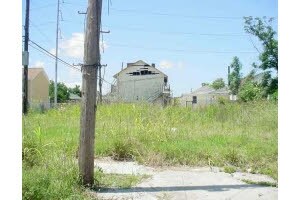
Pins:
x: 81, y: 13
x: 25, y: 58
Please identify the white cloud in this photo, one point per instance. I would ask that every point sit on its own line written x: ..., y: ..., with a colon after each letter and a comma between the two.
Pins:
x: 165, y: 64
x: 53, y: 51
x: 72, y: 84
x: 73, y: 47
x: 38, y: 64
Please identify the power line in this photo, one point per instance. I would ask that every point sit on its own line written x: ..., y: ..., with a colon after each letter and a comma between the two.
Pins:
x: 253, y: 44
x: 41, y: 32
x: 170, y: 32
x: 171, y: 50
x: 179, y: 33
x: 52, y: 55
x: 44, y: 51
x: 147, y: 12
x: 177, y: 50
x: 44, y: 6
x: 156, y: 13
x: 45, y: 23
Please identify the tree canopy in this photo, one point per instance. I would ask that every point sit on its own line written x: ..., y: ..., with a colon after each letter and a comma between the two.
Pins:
x: 235, y: 75
x: 218, y: 83
x: 63, y: 93
x: 75, y: 90
x: 262, y: 29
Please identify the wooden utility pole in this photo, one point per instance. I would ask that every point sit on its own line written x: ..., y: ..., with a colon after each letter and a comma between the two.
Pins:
x: 25, y: 60
x: 89, y: 93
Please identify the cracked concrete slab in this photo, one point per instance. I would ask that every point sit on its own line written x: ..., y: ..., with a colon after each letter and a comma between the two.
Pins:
x: 183, y: 183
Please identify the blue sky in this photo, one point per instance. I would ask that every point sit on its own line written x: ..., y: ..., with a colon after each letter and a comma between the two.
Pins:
x: 191, y: 41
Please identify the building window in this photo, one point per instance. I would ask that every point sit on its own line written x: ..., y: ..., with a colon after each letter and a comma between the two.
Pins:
x: 165, y: 80
x: 142, y: 72
x: 194, y: 99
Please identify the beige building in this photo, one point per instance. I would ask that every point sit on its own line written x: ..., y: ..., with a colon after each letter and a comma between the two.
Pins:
x: 38, y: 88
x: 140, y: 81
x: 203, y: 96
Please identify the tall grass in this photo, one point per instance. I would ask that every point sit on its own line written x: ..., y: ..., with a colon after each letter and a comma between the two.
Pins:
x: 232, y: 135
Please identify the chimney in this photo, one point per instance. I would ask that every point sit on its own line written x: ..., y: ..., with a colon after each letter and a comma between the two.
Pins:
x: 153, y: 65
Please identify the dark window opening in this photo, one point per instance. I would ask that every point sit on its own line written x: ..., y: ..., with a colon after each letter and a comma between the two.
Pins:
x: 146, y: 72
x: 194, y: 99
x: 142, y: 72
x: 165, y: 80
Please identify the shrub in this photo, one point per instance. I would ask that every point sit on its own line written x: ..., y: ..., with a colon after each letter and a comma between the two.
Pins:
x: 32, y: 151
x: 122, y: 150
x: 249, y: 91
x: 222, y: 100
x: 274, y: 96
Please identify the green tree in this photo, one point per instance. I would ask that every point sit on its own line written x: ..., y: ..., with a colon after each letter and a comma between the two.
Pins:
x: 262, y: 29
x: 218, y: 84
x: 235, y: 75
x: 249, y: 91
x: 75, y: 90
x: 63, y: 93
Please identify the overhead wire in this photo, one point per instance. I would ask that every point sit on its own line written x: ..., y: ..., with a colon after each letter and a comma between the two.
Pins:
x: 43, y: 6
x: 40, y: 31
x: 178, y: 33
x: 46, y: 52
x: 147, y: 12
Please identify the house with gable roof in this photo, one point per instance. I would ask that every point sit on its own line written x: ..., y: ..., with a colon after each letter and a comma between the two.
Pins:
x: 140, y: 81
x: 38, y: 88
x: 203, y: 96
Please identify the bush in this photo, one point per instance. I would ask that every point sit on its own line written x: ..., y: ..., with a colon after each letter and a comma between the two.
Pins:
x: 32, y: 150
x: 274, y: 96
x: 222, y: 100
x: 249, y: 91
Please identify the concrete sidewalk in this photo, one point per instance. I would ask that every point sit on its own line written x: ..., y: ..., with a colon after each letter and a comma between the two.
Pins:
x: 186, y: 183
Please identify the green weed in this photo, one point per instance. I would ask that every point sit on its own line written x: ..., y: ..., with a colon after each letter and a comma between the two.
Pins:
x: 241, y: 135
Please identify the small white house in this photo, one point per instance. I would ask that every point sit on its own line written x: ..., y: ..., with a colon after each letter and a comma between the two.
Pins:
x: 140, y: 81
x: 203, y: 96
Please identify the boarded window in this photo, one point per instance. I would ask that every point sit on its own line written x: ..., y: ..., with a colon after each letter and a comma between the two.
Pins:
x: 142, y: 72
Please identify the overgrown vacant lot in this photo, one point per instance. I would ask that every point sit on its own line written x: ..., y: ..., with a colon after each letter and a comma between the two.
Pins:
x: 231, y: 135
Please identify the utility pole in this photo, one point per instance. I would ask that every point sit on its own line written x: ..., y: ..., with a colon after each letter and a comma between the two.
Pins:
x: 100, y: 76
x: 56, y: 50
x: 100, y: 99
x: 100, y: 85
x: 228, y: 76
x: 26, y: 60
x: 89, y: 93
